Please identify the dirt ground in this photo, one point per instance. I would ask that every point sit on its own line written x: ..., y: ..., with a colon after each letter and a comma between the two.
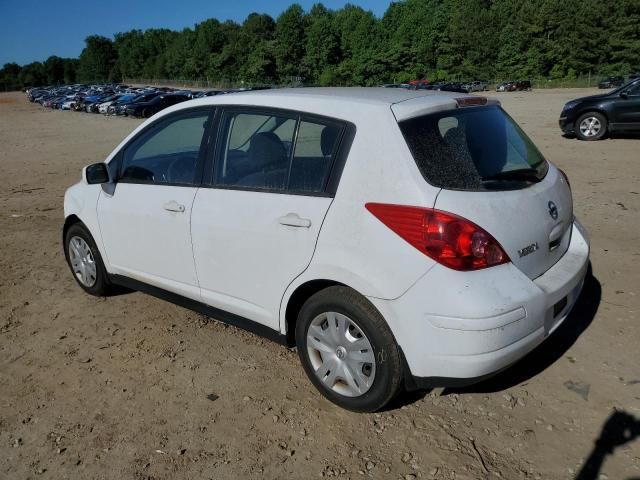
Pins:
x: 132, y: 387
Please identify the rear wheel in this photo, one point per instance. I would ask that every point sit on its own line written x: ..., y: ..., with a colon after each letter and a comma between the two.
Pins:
x: 347, y: 350
x: 85, y: 261
x: 591, y: 126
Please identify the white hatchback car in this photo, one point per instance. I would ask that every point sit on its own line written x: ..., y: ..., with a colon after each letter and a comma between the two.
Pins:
x: 396, y: 237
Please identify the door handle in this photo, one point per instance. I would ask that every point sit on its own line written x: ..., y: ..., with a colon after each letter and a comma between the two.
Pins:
x: 173, y: 206
x: 294, y: 220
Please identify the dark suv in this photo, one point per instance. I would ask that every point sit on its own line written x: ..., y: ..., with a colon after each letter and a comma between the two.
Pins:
x: 611, y: 82
x: 590, y: 118
x: 153, y: 106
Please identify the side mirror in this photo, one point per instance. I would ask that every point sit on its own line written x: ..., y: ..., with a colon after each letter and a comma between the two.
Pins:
x: 624, y: 95
x: 96, y: 173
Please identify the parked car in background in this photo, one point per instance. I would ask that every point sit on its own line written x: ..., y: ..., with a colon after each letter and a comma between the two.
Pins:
x: 103, y: 105
x: 120, y: 108
x: 476, y: 86
x: 504, y: 86
x: 397, y: 85
x: 208, y: 93
x: 511, y: 86
x: 633, y: 76
x: 443, y: 86
x: 123, y: 100
x: 523, y: 85
x: 450, y: 87
x: 153, y: 106
x: 591, y: 118
x: 68, y: 105
x: 611, y: 82
x: 268, y: 211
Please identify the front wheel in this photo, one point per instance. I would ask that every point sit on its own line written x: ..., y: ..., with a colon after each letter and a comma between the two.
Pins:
x: 85, y: 261
x: 591, y: 126
x: 347, y: 350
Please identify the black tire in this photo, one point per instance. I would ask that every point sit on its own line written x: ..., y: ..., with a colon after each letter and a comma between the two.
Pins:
x: 101, y: 287
x: 145, y: 113
x: 590, y: 135
x: 388, y: 364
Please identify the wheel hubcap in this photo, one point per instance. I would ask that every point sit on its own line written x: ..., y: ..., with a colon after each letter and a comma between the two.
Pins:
x: 82, y: 262
x: 341, y: 355
x: 590, y: 126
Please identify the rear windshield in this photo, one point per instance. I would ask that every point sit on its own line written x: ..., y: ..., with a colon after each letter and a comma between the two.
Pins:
x: 473, y: 148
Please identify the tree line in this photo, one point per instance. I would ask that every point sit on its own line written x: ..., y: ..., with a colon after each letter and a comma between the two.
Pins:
x: 433, y: 39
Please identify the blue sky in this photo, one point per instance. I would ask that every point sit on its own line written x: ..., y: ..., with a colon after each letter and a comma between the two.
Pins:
x: 33, y: 30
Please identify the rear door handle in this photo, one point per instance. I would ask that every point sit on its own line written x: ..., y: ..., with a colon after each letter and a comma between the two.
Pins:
x: 173, y: 206
x: 294, y: 220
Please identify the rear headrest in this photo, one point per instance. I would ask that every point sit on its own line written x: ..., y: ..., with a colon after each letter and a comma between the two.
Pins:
x: 328, y: 139
x: 266, y: 149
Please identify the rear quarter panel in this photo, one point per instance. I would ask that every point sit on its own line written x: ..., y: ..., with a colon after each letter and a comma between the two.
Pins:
x: 354, y: 247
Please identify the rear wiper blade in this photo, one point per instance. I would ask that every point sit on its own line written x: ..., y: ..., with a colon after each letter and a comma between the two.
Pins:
x: 530, y: 174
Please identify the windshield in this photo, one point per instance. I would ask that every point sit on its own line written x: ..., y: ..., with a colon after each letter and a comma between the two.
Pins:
x: 473, y: 148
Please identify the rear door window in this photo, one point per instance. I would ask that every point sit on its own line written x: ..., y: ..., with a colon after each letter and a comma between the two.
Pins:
x: 473, y: 148
x: 315, y: 150
x: 276, y: 152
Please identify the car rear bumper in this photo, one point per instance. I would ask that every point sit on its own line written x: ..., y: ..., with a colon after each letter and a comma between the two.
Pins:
x: 456, y: 328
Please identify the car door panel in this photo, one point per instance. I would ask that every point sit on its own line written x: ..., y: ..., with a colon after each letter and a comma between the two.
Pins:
x: 626, y: 109
x: 147, y: 235
x: 245, y: 254
x: 145, y: 219
x: 254, y: 229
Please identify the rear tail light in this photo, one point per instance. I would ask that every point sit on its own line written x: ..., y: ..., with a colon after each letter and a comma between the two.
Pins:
x: 448, y: 239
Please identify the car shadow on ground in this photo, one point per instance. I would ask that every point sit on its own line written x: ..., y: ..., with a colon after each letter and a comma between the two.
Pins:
x: 619, y: 429
x: 540, y: 358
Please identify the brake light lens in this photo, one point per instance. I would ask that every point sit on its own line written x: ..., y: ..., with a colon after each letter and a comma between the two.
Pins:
x: 450, y: 240
x: 471, y: 101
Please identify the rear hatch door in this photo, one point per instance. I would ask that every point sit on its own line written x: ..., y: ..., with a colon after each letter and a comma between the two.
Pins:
x: 493, y: 175
x: 531, y: 224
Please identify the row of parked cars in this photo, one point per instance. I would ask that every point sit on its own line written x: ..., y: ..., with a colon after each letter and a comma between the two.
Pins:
x: 462, y: 87
x: 114, y: 99
x: 468, y: 87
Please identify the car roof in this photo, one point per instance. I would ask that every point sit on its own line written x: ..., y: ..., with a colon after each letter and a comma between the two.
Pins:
x: 340, y: 102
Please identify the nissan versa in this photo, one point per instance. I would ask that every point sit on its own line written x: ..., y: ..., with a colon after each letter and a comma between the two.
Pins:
x: 398, y: 238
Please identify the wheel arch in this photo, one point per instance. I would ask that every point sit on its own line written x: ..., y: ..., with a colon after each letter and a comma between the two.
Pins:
x: 594, y: 109
x: 70, y: 220
x: 297, y: 299
x: 74, y: 219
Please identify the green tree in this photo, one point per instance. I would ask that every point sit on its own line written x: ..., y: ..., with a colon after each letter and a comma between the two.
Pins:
x: 289, y: 37
x: 9, y: 77
x: 322, y: 47
x: 32, y: 74
x: 414, y: 39
x: 97, y: 59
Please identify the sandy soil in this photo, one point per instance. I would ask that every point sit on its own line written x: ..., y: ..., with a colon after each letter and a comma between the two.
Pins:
x: 132, y: 387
